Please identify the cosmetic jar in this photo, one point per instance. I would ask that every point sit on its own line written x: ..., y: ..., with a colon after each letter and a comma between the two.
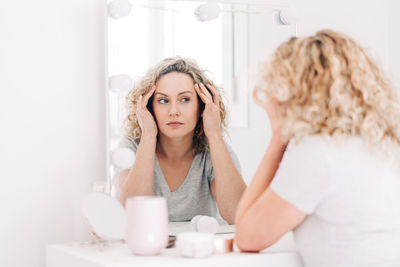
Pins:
x: 195, y: 244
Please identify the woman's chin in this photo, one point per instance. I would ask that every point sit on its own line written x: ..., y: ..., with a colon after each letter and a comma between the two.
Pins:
x: 177, y: 133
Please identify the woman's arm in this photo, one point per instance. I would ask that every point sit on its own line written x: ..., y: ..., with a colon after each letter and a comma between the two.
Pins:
x: 263, y: 177
x: 263, y: 216
x: 271, y: 160
x: 266, y: 221
x: 139, y: 180
x: 228, y: 185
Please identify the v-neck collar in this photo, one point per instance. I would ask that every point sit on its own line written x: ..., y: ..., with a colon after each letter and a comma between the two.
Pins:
x: 157, y: 165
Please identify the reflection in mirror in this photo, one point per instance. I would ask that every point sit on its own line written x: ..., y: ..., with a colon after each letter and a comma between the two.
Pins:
x: 227, y: 46
x: 158, y: 29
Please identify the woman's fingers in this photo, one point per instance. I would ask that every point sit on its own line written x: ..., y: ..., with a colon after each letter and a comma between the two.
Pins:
x: 144, y: 99
x: 201, y: 94
x: 147, y: 96
x: 215, y: 94
x: 205, y: 92
x: 144, y: 117
x: 139, y: 104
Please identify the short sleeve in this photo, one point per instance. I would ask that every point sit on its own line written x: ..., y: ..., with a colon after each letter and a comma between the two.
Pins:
x: 126, y: 142
x: 302, y: 178
x: 235, y: 160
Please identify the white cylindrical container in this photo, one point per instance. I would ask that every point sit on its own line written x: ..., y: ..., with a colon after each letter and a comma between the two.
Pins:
x: 147, y: 225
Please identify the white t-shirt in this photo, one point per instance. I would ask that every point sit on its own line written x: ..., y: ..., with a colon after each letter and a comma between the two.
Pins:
x: 351, y: 197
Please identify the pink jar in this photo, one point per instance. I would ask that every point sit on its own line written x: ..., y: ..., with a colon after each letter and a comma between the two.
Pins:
x: 147, y: 225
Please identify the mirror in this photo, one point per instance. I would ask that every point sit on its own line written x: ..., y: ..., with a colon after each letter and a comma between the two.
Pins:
x: 229, y: 46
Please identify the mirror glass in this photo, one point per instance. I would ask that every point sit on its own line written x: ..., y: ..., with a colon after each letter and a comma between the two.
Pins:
x: 229, y: 46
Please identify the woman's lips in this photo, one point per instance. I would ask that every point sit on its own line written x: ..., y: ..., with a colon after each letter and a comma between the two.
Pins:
x: 174, y: 123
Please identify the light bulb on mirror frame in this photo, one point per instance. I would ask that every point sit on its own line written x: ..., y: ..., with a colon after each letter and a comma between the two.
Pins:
x: 208, y: 11
x: 123, y: 158
x: 285, y: 16
x: 120, y: 83
x: 119, y: 9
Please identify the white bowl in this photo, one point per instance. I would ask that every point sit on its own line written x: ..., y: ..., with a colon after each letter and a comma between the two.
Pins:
x: 195, y: 244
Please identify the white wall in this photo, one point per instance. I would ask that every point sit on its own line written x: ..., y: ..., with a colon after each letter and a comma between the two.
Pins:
x: 394, y: 42
x: 52, y: 137
x: 366, y: 21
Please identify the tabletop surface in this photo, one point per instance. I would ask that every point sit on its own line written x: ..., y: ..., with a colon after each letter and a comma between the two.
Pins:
x: 116, y: 253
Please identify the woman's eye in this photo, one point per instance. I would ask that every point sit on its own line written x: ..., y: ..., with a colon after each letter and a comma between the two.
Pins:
x: 185, y: 99
x: 162, y: 101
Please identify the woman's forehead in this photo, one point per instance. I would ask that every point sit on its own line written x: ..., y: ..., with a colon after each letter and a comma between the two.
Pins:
x: 175, y: 83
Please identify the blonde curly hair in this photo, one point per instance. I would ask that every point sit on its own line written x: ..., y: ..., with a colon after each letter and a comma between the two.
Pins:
x: 168, y: 65
x: 327, y: 84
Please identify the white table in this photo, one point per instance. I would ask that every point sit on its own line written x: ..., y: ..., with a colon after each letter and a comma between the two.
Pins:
x: 116, y: 254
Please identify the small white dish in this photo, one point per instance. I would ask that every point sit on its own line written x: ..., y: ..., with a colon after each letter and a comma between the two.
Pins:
x: 195, y: 244
x: 105, y: 215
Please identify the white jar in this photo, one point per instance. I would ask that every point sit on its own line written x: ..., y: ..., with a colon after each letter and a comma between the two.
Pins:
x: 195, y: 244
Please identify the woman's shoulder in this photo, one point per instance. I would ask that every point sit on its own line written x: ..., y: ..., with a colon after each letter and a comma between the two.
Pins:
x: 319, y: 149
x: 309, y: 144
x: 314, y: 143
x: 344, y: 150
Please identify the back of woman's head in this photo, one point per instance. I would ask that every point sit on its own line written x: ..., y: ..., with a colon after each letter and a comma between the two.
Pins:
x: 327, y: 84
x: 143, y: 85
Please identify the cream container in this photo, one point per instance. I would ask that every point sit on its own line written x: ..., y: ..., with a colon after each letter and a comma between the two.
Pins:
x: 195, y: 244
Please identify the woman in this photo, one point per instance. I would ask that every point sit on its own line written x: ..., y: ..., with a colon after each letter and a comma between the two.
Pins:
x: 338, y: 183
x: 175, y: 126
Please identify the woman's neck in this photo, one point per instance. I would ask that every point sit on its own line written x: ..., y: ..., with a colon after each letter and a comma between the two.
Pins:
x: 175, y: 148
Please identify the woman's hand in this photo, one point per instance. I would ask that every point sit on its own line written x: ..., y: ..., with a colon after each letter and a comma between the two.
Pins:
x: 146, y: 120
x: 211, y: 113
x: 270, y: 105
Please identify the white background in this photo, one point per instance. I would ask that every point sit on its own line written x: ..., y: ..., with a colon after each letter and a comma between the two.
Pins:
x: 52, y: 109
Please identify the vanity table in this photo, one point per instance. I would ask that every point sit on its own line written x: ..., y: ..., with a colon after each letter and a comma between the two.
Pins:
x: 117, y: 254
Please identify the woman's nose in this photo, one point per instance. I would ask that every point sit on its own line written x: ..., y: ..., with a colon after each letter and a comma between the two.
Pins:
x: 174, y: 111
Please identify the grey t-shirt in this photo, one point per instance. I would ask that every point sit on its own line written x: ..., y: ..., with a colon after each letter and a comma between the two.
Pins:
x: 193, y: 197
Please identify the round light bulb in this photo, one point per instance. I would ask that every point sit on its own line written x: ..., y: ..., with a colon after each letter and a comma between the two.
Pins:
x: 123, y: 158
x: 207, y: 11
x: 286, y: 16
x: 120, y: 83
x: 119, y: 8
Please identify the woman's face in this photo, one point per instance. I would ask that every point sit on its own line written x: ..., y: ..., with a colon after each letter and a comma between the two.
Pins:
x: 175, y: 105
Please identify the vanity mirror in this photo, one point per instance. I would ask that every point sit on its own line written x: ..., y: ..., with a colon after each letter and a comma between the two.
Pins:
x: 227, y: 38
